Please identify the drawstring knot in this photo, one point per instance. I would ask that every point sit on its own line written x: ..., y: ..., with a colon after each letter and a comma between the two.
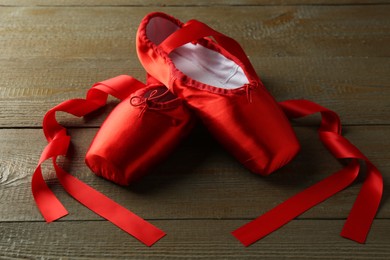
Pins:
x: 146, y: 103
x: 248, y: 89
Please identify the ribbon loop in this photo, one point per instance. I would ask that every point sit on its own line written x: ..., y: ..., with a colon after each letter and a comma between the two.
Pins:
x: 58, y: 142
x: 366, y: 205
x: 340, y: 147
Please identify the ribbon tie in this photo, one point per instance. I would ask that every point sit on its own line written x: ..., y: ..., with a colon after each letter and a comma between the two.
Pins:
x: 58, y: 141
x: 366, y: 205
x: 356, y: 227
x: 147, y: 103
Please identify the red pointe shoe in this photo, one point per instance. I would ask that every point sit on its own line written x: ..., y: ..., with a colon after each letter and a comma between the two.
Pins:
x: 219, y: 83
x: 140, y: 132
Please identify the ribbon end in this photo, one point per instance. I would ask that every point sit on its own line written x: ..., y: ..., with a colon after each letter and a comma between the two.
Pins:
x: 361, y: 239
x: 58, y: 215
x: 245, y: 242
x: 155, y: 239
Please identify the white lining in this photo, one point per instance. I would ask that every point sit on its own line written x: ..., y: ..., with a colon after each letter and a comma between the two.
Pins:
x: 196, y: 61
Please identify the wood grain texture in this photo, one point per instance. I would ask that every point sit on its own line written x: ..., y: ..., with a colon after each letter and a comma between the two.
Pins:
x: 309, y: 239
x: 327, y: 31
x: 215, y: 177
x: 332, y: 55
x: 335, y: 83
x: 264, y: 31
x: 333, y: 52
x: 183, y: 3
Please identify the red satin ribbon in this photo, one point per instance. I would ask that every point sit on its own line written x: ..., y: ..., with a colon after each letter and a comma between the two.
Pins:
x: 58, y: 142
x: 366, y: 205
x: 355, y: 228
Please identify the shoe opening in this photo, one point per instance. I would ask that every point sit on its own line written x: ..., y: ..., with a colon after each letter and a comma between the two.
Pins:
x: 202, y: 64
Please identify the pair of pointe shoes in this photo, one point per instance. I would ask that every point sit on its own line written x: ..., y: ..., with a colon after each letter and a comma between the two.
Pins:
x: 193, y: 71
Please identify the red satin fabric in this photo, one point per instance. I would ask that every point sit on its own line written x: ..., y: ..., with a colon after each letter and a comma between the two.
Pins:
x: 58, y: 142
x: 252, y: 128
x: 139, y: 133
x: 247, y: 120
x: 366, y: 205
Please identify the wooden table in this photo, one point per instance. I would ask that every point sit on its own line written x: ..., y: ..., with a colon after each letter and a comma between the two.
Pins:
x: 334, y: 52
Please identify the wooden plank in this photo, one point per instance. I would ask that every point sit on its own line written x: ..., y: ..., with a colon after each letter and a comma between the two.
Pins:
x: 223, y: 188
x: 335, y: 55
x: 332, y: 55
x: 189, y: 239
x: 30, y: 87
x: 265, y: 31
x: 182, y: 3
